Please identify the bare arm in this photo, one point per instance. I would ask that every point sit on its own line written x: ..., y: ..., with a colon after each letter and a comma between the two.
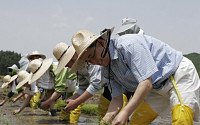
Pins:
x: 4, y: 101
x: 142, y: 90
x: 113, y: 109
x: 44, y: 105
x: 25, y: 103
x: 18, y: 97
x: 76, y: 100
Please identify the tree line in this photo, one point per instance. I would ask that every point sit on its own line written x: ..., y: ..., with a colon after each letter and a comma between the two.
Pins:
x: 8, y: 58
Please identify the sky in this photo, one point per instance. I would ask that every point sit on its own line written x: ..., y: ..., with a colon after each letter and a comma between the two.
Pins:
x: 29, y: 25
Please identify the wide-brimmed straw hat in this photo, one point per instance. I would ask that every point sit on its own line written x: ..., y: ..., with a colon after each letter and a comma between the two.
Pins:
x: 81, y: 41
x: 63, y: 53
x: 36, y: 53
x: 23, y: 77
x: 38, y: 68
x: 7, y: 80
x: 127, y: 23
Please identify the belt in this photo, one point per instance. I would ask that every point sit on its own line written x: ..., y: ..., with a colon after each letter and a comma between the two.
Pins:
x: 160, y: 85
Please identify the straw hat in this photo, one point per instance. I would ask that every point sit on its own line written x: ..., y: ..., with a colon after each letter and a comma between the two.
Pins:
x: 127, y: 23
x: 63, y: 53
x: 7, y: 80
x: 81, y: 41
x: 36, y: 53
x: 23, y: 77
x: 38, y: 68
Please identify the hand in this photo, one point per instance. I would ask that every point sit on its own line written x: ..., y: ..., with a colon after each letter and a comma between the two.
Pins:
x: 16, y: 111
x: 72, y: 104
x: 44, y: 105
x: 14, y: 100
x: 121, y: 118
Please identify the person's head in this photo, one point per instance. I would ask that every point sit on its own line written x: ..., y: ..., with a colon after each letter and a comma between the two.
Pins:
x: 129, y: 26
x: 38, y: 68
x: 13, y: 70
x: 35, y: 55
x: 65, y: 55
x: 24, y: 79
x: 90, y: 48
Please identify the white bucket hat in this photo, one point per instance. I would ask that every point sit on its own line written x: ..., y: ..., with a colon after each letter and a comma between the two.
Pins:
x: 7, y: 80
x: 38, y: 68
x: 14, y: 66
x: 81, y: 41
x: 127, y: 23
x: 23, y: 77
x: 36, y: 53
x: 63, y: 53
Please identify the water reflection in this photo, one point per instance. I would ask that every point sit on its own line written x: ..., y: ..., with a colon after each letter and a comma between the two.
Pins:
x: 41, y: 117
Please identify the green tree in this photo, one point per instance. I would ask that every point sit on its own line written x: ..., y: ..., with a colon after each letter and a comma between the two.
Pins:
x: 7, y: 59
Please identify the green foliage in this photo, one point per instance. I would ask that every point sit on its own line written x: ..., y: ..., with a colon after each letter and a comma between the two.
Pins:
x: 90, y: 109
x: 195, y: 58
x: 60, y: 105
x: 7, y: 59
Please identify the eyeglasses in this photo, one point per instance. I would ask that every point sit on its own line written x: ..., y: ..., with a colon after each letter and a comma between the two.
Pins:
x: 94, y: 54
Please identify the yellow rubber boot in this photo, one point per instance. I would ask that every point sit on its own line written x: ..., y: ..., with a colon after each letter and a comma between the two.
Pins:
x: 102, y: 107
x: 35, y: 99
x: 64, y: 115
x: 75, y: 114
x: 143, y: 115
x: 182, y: 115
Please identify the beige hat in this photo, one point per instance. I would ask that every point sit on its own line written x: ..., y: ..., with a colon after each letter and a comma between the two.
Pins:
x: 23, y: 77
x: 38, y: 68
x: 36, y: 53
x: 81, y: 41
x: 63, y: 53
x: 7, y: 80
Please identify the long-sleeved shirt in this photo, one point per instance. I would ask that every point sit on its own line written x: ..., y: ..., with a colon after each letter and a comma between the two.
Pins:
x: 90, y: 78
x: 134, y: 58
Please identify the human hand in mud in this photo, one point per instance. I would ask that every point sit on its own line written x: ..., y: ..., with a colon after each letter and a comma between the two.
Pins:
x: 72, y: 104
x: 16, y: 111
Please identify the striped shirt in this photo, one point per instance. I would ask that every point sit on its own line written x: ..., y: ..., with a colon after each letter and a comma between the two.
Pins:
x: 134, y: 58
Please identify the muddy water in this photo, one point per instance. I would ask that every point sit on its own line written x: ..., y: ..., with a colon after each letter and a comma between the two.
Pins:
x: 30, y: 116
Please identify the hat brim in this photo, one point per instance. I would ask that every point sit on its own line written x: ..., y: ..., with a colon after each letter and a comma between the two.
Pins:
x: 45, y: 66
x: 42, y: 56
x: 7, y: 83
x: 125, y: 27
x: 65, y: 59
x: 79, y: 63
x: 23, y: 82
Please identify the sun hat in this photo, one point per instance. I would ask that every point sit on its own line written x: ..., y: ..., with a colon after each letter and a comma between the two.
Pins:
x: 36, y: 53
x: 127, y: 23
x: 38, y: 68
x: 23, y: 77
x: 7, y: 80
x: 63, y: 53
x: 81, y: 41
x: 14, y: 66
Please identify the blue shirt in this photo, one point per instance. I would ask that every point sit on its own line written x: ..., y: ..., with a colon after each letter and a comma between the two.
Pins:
x: 134, y: 58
